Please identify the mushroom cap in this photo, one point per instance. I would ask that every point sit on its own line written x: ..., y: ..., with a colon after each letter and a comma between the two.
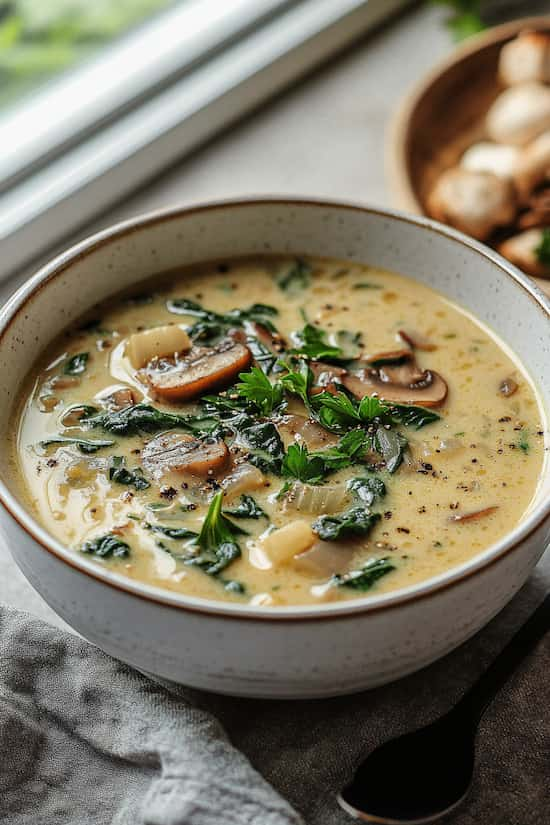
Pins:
x: 525, y: 58
x: 474, y: 202
x: 496, y: 158
x: 519, y: 114
x: 203, y: 370
x: 532, y: 166
x: 174, y: 452
x: 521, y: 251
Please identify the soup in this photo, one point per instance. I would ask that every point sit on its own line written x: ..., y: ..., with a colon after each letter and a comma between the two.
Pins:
x: 274, y: 431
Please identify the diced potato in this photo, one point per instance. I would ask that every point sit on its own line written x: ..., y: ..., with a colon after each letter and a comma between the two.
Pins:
x: 156, y: 343
x: 282, y: 545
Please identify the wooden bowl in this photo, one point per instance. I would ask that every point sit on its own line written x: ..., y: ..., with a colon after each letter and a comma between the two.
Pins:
x: 444, y: 114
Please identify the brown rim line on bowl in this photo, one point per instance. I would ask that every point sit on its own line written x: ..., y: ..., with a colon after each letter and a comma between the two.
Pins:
x: 411, y: 168
x: 316, y: 227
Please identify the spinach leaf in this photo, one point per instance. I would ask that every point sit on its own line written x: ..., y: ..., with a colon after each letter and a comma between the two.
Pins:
x: 410, y: 416
x: 262, y: 355
x: 366, y: 576
x: 172, y: 532
x: 267, y: 450
x: 143, y: 418
x: 84, y: 445
x: 247, y: 508
x: 257, y: 388
x: 106, y: 546
x: 391, y: 445
x: 357, y: 521
x: 217, y: 540
x: 295, y: 279
x: 77, y: 364
x: 367, y: 490
x: 213, y: 324
x: 121, y: 475
x: 340, y: 411
x: 367, y: 285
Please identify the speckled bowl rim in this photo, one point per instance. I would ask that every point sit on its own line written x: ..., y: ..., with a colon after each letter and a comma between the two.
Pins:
x: 329, y: 611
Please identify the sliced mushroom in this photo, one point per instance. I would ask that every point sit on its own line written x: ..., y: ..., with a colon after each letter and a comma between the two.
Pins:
x: 521, y: 250
x: 181, y: 453
x: 491, y: 157
x: 117, y: 398
x: 525, y: 58
x: 519, y: 114
x: 299, y: 428
x: 159, y: 342
x: 205, y: 369
x: 474, y: 202
x: 401, y: 381
x: 477, y: 514
x: 272, y: 340
x: 533, y: 166
x: 416, y: 341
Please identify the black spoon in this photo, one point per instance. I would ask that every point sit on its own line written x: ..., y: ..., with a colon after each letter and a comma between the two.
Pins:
x: 421, y: 776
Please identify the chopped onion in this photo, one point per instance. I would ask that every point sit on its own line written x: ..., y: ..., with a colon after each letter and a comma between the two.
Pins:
x: 242, y: 479
x: 308, y: 498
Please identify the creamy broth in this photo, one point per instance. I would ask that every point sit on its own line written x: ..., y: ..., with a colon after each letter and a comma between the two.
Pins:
x: 297, y: 528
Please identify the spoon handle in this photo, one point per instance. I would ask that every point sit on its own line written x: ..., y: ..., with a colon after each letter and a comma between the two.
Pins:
x: 474, y: 703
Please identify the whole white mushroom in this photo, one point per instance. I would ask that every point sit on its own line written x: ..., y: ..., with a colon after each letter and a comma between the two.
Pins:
x: 522, y: 250
x: 525, y: 58
x: 474, y: 202
x: 519, y: 114
x: 533, y: 166
x: 497, y: 158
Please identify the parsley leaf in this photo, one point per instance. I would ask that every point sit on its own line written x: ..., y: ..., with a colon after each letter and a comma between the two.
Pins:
x: 247, y: 508
x: 256, y: 387
x: 312, y: 343
x: 77, y: 364
x: 358, y: 521
x: 299, y: 464
x: 297, y: 381
x: 366, y: 576
x: 312, y: 468
x: 105, y: 546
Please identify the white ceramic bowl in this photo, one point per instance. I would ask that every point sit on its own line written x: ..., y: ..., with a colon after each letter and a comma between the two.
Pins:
x: 257, y: 651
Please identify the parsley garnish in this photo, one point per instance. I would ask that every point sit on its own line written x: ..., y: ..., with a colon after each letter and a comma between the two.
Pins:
x: 312, y: 343
x: 256, y: 387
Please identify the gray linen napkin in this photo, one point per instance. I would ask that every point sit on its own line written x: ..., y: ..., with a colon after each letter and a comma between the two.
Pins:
x: 86, y: 740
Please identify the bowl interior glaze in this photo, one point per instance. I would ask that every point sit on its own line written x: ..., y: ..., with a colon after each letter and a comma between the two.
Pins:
x: 465, y: 271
